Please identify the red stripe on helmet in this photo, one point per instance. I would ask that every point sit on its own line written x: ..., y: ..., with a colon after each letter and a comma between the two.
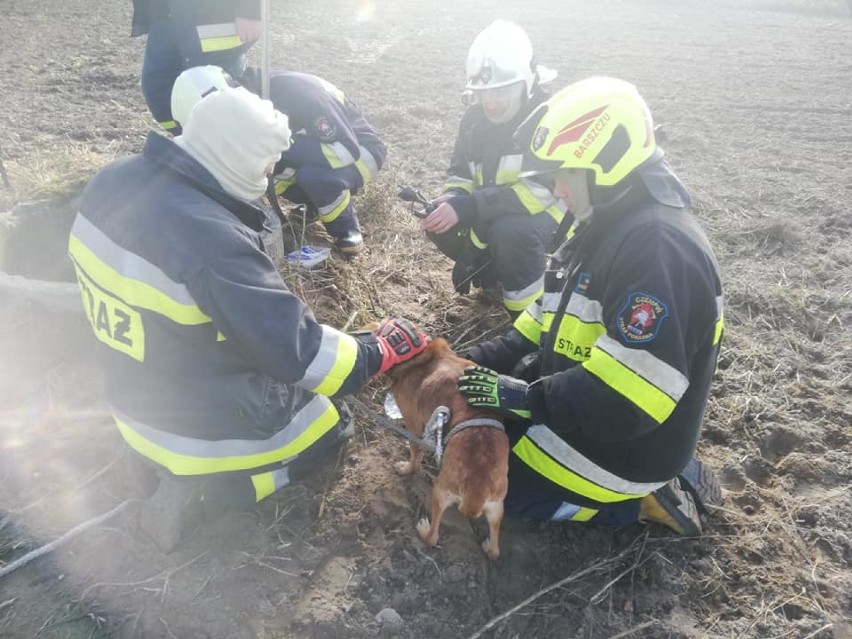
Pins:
x: 573, y: 131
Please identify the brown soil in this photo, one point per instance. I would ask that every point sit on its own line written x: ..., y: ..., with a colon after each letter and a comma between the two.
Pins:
x: 756, y: 111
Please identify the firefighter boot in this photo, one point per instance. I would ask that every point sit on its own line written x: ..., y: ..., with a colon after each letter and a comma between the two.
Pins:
x: 674, y: 507
x: 165, y: 514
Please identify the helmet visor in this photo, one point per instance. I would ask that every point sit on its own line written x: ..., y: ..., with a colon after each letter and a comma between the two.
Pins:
x: 500, y: 104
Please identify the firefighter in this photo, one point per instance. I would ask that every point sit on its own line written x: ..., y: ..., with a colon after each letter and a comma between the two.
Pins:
x: 495, y: 225
x: 608, y: 373
x: 334, y: 151
x: 218, y: 376
x: 188, y: 33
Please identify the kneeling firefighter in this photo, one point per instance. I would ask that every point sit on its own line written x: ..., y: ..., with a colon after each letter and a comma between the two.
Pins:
x: 606, y: 376
x: 218, y: 376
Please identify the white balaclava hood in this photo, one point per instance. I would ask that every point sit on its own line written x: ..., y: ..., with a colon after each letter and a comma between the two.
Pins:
x: 235, y: 135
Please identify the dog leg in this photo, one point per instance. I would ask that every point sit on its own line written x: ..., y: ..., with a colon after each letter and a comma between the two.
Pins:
x: 494, y: 514
x: 440, y: 501
x: 408, y: 468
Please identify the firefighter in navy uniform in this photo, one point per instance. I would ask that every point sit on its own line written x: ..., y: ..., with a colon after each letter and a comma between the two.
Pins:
x: 495, y: 225
x: 608, y: 373
x: 334, y: 151
x: 217, y: 375
x: 188, y: 33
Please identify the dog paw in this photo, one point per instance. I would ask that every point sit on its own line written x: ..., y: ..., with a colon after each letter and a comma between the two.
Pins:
x: 492, y: 553
x: 403, y: 468
x: 423, y: 529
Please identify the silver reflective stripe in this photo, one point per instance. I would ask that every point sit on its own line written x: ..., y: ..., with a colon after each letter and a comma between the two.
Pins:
x: 472, y: 167
x: 541, y: 193
x: 524, y: 293
x: 720, y: 305
x: 280, y: 478
x: 225, y: 448
x: 575, y: 461
x: 325, y: 359
x: 550, y: 302
x: 565, y: 512
x: 328, y: 208
x: 510, y: 163
x: 222, y: 30
x: 667, y: 378
x: 584, y: 309
x: 534, y: 311
x: 369, y: 161
x: 342, y: 153
x: 128, y: 264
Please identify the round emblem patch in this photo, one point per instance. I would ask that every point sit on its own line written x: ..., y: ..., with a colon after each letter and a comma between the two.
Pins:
x: 324, y: 128
x: 640, y: 318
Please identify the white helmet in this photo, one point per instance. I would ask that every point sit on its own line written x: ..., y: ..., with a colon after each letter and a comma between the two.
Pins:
x: 195, y: 83
x: 501, y: 55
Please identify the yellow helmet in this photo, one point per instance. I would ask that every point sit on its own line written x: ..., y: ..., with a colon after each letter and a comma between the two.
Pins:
x: 599, y: 124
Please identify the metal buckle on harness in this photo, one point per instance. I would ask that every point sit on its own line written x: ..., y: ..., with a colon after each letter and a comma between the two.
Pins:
x: 434, y: 431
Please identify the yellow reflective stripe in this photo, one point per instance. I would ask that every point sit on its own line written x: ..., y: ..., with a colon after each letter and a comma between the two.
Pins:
x: 459, y: 184
x: 264, y: 485
x: 169, y: 125
x: 534, y: 198
x: 337, y: 155
x: 543, y: 464
x: 556, y: 211
x: 575, y: 337
x: 364, y: 170
x: 527, y: 326
x: 584, y: 514
x: 720, y: 326
x: 284, y: 184
x: 133, y: 291
x: 519, y: 300
x: 474, y: 239
x: 345, y: 357
x: 338, y: 207
x: 220, y: 337
x: 113, y: 322
x: 332, y: 90
x: 183, y: 464
x: 209, y: 45
x: 630, y: 385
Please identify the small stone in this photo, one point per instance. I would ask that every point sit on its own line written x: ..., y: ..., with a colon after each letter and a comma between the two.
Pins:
x: 390, y: 621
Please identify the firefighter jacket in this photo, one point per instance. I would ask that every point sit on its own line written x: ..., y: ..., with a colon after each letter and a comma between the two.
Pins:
x: 211, y: 363
x: 484, y: 170
x: 621, y: 347
x: 213, y: 19
x: 329, y: 130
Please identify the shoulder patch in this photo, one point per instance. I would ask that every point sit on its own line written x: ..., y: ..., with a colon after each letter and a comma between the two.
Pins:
x: 640, y: 318
x: 324, y: 128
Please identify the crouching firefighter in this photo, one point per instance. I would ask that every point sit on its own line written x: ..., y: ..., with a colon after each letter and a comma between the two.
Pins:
x: 219, y: 378
x: 495, y: 224
x: 334, y: 150
x: 607, y: 375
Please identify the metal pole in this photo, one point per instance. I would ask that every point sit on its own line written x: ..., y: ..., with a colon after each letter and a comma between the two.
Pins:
x: 264, y: 50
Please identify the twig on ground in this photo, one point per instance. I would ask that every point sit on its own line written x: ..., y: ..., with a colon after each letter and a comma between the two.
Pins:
x: 818, y: 630
x: 165, y: 574
x: 606, y: 563
x: 38, y: 552
x: 598, y: 596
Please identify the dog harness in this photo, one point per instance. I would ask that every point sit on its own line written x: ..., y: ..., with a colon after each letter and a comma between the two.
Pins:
x: 440, y: 417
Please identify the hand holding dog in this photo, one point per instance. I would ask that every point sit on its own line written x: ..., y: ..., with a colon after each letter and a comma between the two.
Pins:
x: 485, y: 388
x: 400, y: 340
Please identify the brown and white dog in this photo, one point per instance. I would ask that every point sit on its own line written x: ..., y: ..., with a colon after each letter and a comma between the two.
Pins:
x: 475, y: 463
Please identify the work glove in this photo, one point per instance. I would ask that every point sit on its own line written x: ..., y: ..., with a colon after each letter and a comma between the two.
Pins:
x: 399, y: 340
x: 485, y: 388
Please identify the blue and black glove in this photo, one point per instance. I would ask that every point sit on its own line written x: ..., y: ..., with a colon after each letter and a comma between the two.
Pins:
x: 484, y: 388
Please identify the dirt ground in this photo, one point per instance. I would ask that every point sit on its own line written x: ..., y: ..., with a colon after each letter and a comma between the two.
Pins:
x: 756, y: 110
